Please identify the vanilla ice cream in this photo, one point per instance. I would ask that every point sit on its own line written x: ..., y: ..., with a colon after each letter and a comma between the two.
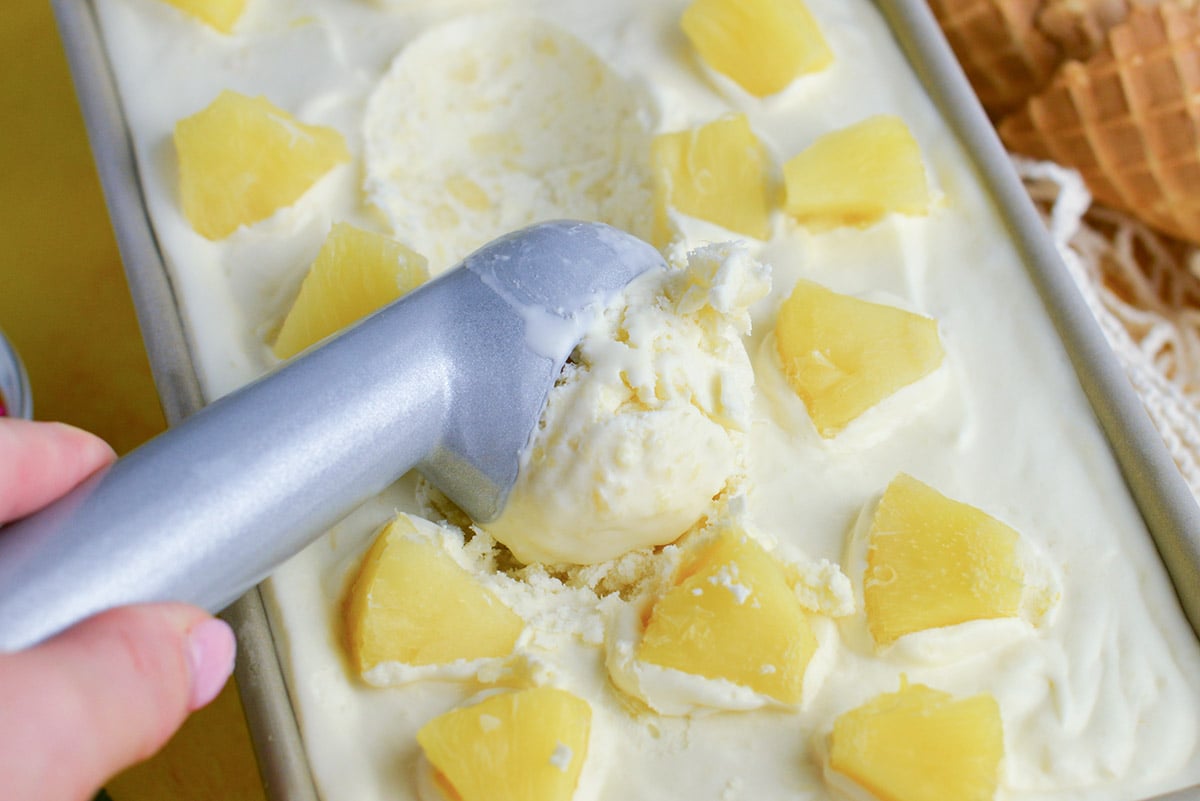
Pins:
x: 647, y: 424
x: 465, y: 120
x: 534, y: 151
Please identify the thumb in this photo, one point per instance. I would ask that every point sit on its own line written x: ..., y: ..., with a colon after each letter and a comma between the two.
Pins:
x: 105, y: 694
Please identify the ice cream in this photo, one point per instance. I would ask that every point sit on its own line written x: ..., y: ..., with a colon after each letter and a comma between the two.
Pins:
x: 1096, y: 697
x: 649, y: 422
x: 534, y: 151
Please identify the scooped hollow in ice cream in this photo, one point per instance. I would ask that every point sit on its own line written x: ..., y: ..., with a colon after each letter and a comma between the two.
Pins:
x: 495, y: 121
x: 648, y: 422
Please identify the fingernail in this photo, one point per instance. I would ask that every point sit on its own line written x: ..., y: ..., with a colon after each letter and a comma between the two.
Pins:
x: 211, y: 649
x: 101, y: 451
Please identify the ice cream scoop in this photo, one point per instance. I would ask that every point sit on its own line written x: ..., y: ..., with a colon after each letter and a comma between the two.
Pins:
x: 648, y: 424
x: 451, y: 379
x: 15, y: 397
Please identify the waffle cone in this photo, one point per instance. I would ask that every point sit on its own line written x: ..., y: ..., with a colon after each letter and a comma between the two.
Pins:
x: 1080, y: 27
x: 1005, y: 56
x: 1128, y: 119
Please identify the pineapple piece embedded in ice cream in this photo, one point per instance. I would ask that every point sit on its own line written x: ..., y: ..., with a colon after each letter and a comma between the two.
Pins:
x: 528, y: 745
x: 732, y: 615
x: 856, y: 175
x: 241, y: 159
x: 921, y: 744
x: 843, y: 355
x: 933, y: 561
x: 412, y: 604
x: 762, y: 45
x: 717, y: 172
x: 355, y: 273
x: 219, y: 14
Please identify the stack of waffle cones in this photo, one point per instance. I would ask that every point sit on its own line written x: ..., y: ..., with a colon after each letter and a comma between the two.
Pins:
x: 1004, y: 54
x: 1108, y: 87
x: 1128, y: 119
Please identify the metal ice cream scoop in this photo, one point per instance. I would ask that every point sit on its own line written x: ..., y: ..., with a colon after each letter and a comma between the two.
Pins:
x: 451, y: 379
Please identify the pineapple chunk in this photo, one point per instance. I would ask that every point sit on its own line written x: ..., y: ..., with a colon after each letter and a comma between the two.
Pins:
x: 762, y: 45
x: 220, y: 14
x: 241, y: 159
x: 856, y: 175
x: 355, y: 273
x: 933, y: 561
x: 528, y: 745
x: 843, y: 355
x: 412, y: 603
x: 717, y: 172
x: 732, y: 615
x: 921, y: 744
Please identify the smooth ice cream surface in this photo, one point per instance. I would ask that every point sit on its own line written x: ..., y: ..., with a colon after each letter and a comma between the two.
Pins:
x: 463, y: 121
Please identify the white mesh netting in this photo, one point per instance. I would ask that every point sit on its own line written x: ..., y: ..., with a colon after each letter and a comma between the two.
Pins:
x: 1144, y: 291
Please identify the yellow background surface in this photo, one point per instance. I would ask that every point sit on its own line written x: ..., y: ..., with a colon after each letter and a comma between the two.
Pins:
x: 65, y: 306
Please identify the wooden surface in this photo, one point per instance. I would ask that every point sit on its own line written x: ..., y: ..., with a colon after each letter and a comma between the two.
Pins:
x: 65, y: 307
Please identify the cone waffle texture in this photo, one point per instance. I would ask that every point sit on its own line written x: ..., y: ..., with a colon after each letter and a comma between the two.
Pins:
x: 1079, y: 27
x: 1128, y: 119
x: 1005, y: 56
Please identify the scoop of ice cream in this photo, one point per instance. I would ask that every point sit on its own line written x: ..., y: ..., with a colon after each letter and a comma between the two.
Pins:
x: 495, y: 121
x: 647, y: 424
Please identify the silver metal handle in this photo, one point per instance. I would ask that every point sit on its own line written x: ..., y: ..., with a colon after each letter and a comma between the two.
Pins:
x: 204, y: 511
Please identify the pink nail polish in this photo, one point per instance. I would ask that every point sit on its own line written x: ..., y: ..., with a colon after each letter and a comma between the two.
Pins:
x: 211, y: 649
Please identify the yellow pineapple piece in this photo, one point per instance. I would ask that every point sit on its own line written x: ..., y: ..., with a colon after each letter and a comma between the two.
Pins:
x: 762, y: 45
x: 843, y: 355
x: 732, y: 615
x: 856, y: 175
x: 241, y: 159
x: 717, y: 172
x: 528, y: 745
x: 355, y: 273
x: 220, y: 14
x: 933, y: 561
x: 412, y: 603
x: 921, y: 744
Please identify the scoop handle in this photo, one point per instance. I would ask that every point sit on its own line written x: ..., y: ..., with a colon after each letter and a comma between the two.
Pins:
x: 204, y: 511
x: 451, y: 378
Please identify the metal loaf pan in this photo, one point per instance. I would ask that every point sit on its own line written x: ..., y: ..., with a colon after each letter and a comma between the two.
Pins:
x: 1163, y: 497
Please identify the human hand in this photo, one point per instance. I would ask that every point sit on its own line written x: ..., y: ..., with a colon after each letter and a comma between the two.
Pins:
x: 112, y: 690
